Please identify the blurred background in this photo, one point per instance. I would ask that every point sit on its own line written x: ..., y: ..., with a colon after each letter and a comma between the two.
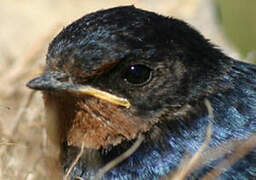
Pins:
x: 237, y: 18
x: 27, y: 27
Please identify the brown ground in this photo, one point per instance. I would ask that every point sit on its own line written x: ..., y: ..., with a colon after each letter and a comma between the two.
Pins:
x: 26, y: 30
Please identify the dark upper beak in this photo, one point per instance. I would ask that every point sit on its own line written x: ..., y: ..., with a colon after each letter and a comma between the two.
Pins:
x: 57, y: 82
x: 50, y: 81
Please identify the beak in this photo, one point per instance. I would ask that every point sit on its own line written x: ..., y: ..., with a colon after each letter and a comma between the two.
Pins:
x: 52, y: 82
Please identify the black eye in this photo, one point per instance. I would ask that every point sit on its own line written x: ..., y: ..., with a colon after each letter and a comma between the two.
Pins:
x: 138, y: 74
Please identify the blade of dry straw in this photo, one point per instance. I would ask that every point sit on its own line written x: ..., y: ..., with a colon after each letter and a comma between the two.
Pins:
x: 187, y: 166
x: 120, y: 158
x: 240, y: 151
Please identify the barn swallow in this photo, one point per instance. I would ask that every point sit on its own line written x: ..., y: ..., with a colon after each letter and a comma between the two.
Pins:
x: 119, y: 73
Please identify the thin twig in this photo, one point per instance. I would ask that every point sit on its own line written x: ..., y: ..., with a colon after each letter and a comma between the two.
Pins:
x: 239, y: 152
x: 79, y: 178
x: 23, y: 109
x: 26, y: 102
x: 74, y: 162
x: 7, y: 143
x: 188, y: 166
x: 120, y: 158
x: 217, y: 152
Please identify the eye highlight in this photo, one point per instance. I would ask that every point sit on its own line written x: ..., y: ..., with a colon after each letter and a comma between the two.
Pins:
x: 138, y: 75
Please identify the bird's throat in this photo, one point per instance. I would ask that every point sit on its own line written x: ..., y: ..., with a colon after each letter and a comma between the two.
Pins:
x: 90, y: 121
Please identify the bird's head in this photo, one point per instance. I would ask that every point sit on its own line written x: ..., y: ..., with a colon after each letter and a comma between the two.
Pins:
x: 114, y: 74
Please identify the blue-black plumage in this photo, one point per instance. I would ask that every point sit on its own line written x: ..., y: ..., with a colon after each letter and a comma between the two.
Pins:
x: 165, y: 70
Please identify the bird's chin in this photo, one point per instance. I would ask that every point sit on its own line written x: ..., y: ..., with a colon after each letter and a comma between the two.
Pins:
x: 91, y: 122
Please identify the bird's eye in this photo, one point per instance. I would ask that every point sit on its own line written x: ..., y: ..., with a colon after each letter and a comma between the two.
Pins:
x: 138, y: 75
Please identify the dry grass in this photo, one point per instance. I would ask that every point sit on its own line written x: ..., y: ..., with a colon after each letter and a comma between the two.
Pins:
x: 66, y: 176
x: 28, y: 27
x: 204, y: 155
x: 120, y: 158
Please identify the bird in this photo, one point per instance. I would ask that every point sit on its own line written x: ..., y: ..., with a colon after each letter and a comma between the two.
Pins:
x: 119, y: 74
